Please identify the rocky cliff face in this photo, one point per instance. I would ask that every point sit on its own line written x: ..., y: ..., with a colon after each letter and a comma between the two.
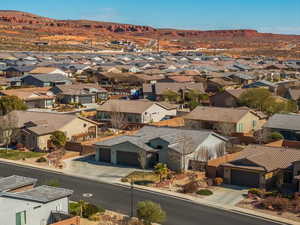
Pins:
x: 31, y: 21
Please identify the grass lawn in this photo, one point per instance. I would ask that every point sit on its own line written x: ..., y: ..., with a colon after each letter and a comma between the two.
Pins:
x: 147, y: 177
x: 18, y: 155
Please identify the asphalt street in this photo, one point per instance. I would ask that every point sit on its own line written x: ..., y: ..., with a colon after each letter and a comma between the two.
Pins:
x: 117, y: 198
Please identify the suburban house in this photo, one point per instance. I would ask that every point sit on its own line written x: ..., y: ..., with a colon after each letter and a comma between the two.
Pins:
x: 286, y: 124
x: 155, y: 91
x: 262, y: 84
x: 135, y: 111
x: 218, y: 83
x: 33, y: 97
x: 48, y: 70
x: 178, y: 148
x: 227, y: 98
x: 22, y: 203
x: 293, y: 93
x: 224, y: 120
x: 264, y: 167
x: 37, y: 127
x: 45, y: 80
x: 79, y: 93
x: 16, y: 71
x: 242, y: 78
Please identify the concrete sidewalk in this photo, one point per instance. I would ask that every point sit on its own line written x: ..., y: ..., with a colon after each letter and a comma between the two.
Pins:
x: 197, y: 200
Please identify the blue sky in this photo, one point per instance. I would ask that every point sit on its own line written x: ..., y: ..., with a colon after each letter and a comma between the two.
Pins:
x: 277, y: 16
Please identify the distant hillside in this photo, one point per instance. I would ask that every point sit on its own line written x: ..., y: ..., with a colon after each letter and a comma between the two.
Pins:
x: 21, y: 30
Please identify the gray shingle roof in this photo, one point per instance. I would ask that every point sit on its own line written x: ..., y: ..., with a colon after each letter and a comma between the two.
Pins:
x: 14, y: 182
x: 42, y: 194
x: 284, y: 121
x: 174, y: 136
x: 49, y: 77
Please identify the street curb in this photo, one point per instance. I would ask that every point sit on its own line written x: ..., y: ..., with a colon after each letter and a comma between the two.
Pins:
x: 232, y: 209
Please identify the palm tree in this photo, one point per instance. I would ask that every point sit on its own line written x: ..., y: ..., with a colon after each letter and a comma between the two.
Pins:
x: 82, y: 204
x: 162, y: 170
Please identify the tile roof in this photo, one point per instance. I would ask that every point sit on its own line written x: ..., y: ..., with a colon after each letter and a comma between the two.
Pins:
x: 29, y: 93
x: 161, y: 87
x: 266, y: 158
x: 80, y: 89
x: 43, y: 70
x: 126, y: 106
x: 217, y: 114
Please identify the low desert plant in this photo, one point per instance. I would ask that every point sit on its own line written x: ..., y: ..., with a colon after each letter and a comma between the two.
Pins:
x: 218, y: 181
x: 276, y: 136
x: 124, y: 180
x: 204, y: 192
x: 257, y: 192
x: 190, y: 187
x: 41, y: 160
x: 149, y: 212
x: 276, y: 203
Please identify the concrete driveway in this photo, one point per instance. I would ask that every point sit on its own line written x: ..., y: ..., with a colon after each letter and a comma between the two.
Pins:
x: 227, y: 195
x: 89, y: 168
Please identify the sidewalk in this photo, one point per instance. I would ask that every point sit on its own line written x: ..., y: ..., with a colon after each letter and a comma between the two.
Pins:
x: 196, y: 200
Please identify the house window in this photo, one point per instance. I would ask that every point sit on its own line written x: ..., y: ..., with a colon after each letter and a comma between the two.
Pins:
x: 254, y: 123
x: 21, y: 218
x: 241, y: 127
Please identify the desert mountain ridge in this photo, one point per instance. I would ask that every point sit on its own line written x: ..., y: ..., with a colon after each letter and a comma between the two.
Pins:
x: 21, y: 30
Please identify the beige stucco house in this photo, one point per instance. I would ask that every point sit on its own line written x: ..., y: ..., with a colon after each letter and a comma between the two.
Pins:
x: 37, y: 127
x: 224, y: 120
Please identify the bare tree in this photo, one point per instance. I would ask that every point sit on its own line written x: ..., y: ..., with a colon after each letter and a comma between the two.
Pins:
x: 9, y: 130
x: 142, y: 157
x: 224, y: 128
x: 117, y: 118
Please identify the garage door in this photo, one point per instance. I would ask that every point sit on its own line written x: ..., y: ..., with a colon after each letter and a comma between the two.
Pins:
x: 128, y: 158
x: 85, y: 99
x: 104, y: 155
x: 244, y: 178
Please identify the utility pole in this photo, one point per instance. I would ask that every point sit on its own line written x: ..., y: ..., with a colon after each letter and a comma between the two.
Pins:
x: 131, y: 198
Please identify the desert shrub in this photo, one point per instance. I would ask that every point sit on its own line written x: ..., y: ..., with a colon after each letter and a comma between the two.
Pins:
x: 276, y: 203
x: 90, y: 209
x: 124, y: 180
x: 41, y: 160
x: 74, y: 208
x: 204, y: 192
x: 150, y: 212
x: 218, y: 181
x: 271, y: 194
x: 190, y: 187
x: 256, y: 191
x: 276, y: 136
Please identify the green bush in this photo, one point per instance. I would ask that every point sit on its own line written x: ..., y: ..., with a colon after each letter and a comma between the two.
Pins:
x: 276, y: 136
x: 41, y: 160
x: 143, y: 182
x: 204, y: 192
x: 256, y: 191
x: 150, y: 212
x: 90, y: 209
x: 53, y: 183
x: 74, y: 208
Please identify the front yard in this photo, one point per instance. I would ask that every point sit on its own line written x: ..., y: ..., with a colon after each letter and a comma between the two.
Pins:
x: 19, y: 155
x: 273, y: 203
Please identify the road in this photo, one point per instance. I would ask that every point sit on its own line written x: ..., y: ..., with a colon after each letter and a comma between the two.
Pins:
x: 117, y: 198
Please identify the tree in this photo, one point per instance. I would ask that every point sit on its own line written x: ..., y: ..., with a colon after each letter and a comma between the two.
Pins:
x: 263, y: 100
x: 58, y: 139
x: 276, y: 136
x: 117, y: 118
x: 224, y: 128
x: 162, y: 170
x: 150, y: 212
x: 142, y: 157
x: 11, y: 103
x: 171, y: 96
x: 9, y: 130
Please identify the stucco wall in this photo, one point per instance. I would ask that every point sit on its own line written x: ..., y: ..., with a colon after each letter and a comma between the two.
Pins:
x: 36, y: 213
